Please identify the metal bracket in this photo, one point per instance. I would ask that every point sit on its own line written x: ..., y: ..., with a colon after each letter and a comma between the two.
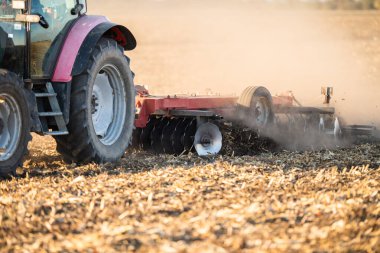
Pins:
x: 328, y: 92
x: 27, y: 18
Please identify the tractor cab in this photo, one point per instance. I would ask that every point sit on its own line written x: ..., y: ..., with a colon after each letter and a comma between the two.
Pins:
x: 30, y: 49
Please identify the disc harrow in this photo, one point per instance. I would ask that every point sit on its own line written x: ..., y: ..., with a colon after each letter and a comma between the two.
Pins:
x: 178, y: 125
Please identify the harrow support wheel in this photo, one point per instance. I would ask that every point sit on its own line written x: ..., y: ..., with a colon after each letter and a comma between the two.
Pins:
x: 102, y: 108
x: 255, y: 108
x: 15, y: 123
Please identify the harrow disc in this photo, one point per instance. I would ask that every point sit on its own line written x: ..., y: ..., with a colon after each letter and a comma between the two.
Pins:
x: 145, y: 141
x: 176, y: 137
x: 136, y: 137
x: 156, y: 134
x: 312, y: 125
x: 166, y: 136
x: 337, y: 129
x: 189, y: 134
x: 208, y: 140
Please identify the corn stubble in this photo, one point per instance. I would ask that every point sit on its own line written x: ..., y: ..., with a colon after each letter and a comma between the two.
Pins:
x: 272, y: 202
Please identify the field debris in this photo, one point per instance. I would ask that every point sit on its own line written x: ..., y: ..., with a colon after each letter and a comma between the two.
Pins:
x: 280, y: 202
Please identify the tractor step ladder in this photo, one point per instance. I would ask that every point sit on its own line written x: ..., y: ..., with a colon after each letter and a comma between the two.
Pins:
x: 56, y: 112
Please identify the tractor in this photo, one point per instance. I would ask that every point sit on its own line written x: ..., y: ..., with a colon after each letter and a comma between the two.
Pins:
x: 63, y: 73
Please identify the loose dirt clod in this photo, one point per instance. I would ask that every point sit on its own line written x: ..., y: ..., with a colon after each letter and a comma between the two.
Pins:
x: 288, y: 201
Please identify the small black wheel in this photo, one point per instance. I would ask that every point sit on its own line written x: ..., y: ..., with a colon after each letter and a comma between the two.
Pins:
x: 102, y: 109
x: 255, y: 107
x: 15, y: 123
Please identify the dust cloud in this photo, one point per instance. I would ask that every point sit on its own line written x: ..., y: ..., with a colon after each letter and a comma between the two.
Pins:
x: 224, y: 46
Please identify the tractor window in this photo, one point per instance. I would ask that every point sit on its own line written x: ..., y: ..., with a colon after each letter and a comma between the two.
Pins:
x: 6, y: 10
x: 12, y: 39
x: 46, y: 42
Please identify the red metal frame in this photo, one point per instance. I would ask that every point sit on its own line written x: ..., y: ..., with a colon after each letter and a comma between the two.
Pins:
x: 148, y: 105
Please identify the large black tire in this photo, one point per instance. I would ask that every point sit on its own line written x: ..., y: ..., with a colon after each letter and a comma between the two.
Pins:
x: 14, y: 95
x: 82, y: 145
x: 247, y: 111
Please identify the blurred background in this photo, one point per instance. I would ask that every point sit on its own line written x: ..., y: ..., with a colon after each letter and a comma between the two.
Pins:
x: 223, y: 46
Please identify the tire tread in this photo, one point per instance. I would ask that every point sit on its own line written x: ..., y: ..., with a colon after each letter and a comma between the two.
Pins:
x: 10, y: 78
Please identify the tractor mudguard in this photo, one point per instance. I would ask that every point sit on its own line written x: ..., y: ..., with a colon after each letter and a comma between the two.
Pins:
x: 82, y: 39
x: 109, y: 30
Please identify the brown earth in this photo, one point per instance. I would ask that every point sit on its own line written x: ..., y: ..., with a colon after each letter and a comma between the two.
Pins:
x: 312, y: 201
x: 320, y: 201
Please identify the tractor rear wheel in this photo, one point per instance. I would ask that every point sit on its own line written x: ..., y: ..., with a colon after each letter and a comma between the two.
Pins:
x: 102, y: 108
x: 14, y: 123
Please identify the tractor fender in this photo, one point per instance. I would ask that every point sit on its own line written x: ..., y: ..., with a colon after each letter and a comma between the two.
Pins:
x: 82, y: 39
x: 109, y: 30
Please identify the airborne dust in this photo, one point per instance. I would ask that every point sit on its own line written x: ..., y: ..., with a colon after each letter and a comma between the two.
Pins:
x: 224, y: 46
